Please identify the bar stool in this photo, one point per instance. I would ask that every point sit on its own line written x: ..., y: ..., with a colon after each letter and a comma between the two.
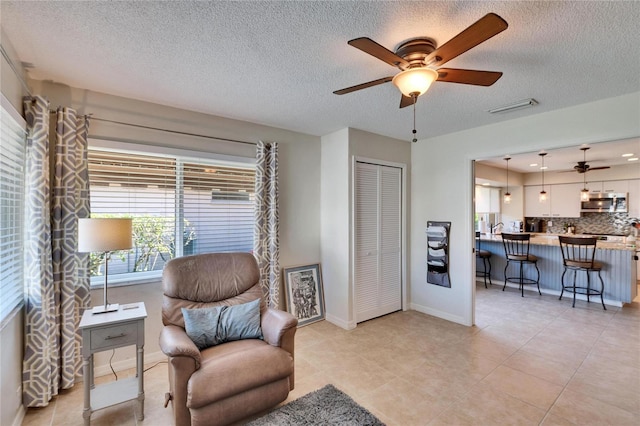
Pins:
x: 485, y: 255
x: 516, y: 249
x: 578, y: 254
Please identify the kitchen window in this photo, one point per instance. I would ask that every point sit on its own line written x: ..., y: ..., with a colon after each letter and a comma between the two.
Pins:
x: 180, y: 206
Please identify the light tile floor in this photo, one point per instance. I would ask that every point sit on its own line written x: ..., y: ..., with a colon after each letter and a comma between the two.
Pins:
x: 531, y: 360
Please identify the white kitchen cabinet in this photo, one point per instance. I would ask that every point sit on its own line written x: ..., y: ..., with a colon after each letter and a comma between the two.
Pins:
x: 562, y: 201
x: 532, y: 206
x: 616, y: 186
x: 633, y: 201
x: 565, y: 200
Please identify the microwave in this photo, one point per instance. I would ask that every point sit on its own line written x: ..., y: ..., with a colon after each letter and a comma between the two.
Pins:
x: 605, y: 203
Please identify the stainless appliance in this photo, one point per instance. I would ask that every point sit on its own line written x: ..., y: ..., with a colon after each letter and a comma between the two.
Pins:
x: 534, y: 225
x: 517, y: 226
x: 605, y: 202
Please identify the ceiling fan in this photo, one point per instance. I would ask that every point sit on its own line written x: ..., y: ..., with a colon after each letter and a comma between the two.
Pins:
x: 583, y: 167
x: 417, y: 59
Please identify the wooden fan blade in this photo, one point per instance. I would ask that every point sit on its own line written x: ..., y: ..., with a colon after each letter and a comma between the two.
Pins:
x: 405, y: 101
x: 374, y: 49
x: 363, y: 85
x: 598, y: 168
x: 477, y: 78
x: 482, y: 30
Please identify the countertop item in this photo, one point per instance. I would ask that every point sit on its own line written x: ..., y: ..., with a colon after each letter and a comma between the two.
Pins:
x: 544, y: 239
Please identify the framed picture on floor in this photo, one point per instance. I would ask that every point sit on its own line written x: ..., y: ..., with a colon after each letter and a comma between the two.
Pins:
x: 304, y: 294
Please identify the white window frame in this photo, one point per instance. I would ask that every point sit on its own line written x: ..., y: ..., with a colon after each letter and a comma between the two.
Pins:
x: 16, y: 305
x: 186, y: 155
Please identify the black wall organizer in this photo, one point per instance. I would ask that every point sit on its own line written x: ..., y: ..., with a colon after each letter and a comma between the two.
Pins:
x: 438, y: 253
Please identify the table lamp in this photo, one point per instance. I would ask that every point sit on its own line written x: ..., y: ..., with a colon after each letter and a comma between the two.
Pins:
x: 104, y: 235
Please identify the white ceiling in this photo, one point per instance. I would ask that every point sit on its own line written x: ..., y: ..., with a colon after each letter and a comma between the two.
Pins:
x: 277, y: 63
x: 561, y: 160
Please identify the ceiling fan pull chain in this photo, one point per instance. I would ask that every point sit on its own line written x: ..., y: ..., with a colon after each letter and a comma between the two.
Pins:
x: 415, y: 98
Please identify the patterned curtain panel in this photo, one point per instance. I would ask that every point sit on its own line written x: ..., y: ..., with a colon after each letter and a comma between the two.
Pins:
x: 265, y: 238
x: 57, y: 277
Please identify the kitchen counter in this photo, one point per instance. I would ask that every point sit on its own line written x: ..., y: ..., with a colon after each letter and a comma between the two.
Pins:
x: 543, y: 239
x: 619, y: 273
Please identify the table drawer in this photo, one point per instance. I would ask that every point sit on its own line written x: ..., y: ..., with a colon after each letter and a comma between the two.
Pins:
x: 114, y: 336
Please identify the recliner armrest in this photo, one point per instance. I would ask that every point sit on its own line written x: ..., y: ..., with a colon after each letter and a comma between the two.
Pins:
x: 275, y: 324
x: 175, y: 342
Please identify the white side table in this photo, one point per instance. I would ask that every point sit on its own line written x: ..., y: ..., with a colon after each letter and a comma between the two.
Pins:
x: 102, y: 332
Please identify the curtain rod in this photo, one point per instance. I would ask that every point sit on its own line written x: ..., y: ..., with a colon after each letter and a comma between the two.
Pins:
x: 165, y: 130
x: 172, y: 131
x: 6, y: 57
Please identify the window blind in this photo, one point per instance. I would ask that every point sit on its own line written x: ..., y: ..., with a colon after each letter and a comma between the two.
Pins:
x: 12, y: 178
x: 179, y: 206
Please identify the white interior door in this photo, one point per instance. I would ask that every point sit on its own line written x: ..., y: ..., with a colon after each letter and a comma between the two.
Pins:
x: 378, y: 240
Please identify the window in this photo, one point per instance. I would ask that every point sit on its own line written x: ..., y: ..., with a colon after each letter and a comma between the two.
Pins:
x: 180, y: 206
x: 12, y: 177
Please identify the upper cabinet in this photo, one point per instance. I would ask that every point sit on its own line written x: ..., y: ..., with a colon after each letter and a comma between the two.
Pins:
x: 532, y: 206
x: 634, y: 199
x: 562, y: 201
x: 487, y: 199
x: 616, y: 186
x: 565, y: 200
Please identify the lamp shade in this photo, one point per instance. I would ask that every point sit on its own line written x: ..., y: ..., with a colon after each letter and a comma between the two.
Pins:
x: 415, y: 80
x: 104, y: 234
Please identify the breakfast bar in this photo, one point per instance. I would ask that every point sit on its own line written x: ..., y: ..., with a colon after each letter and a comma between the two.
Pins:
x: 619, y: 271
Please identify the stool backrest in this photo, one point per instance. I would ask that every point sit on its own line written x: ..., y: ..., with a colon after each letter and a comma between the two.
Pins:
x: 578, y: 252
x: 516, y: 246
x: 477, y: 240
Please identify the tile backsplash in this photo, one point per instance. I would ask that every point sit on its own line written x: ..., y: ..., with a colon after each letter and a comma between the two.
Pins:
x: 594, y: 223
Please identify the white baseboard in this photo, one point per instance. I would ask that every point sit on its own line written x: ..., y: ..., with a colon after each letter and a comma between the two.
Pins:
x: 534, y: 289
x: 19, y: 416
x: 125, y: 364
x: 347, y: 325
x: 440, y: 314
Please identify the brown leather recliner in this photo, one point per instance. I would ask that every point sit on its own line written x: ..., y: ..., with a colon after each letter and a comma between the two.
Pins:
x: 227, y: 382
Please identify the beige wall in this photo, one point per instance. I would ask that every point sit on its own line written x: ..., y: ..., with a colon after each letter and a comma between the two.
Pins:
x: 446, y: 190
x: 299, y: 178
x: 338, y: 151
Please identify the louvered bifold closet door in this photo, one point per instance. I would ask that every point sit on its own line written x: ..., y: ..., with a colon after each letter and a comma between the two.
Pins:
x: 378, y: 288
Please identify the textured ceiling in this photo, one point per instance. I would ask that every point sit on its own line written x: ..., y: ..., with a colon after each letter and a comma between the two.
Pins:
x: 277, y: 63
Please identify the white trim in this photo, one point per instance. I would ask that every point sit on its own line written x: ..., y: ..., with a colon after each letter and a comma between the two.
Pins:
x: 440, y: 314
x: 126, y: 279
x: 403, y: 220
x: 17, y: 421
x: 347, y: 325
x: 138, y: 148
x: 15, y: 311
x: 6, y: 105
x: 473, y: 244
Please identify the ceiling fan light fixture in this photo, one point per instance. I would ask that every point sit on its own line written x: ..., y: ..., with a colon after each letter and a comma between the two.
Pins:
x: 415, y: 81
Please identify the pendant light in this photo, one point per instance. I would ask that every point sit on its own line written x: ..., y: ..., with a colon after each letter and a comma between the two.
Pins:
x: 584, y: 193
x: 507, y: 195
x: 543, y: 194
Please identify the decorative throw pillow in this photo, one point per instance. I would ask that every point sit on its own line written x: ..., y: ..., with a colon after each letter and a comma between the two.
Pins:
x: 211, y: 326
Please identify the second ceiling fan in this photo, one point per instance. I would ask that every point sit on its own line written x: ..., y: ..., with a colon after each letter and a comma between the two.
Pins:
x: 417, y: 58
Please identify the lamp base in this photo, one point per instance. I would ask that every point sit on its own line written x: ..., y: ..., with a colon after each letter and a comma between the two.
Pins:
x: 105, y: 308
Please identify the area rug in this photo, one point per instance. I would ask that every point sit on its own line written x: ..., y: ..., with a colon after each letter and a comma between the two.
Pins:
x: 326, y: 406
